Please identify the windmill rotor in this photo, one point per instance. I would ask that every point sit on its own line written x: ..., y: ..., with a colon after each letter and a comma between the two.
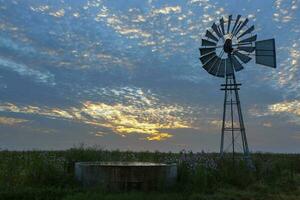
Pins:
x: 234, y: 36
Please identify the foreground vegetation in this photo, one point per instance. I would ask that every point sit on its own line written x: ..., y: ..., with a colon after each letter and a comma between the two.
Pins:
x: 201, y: 176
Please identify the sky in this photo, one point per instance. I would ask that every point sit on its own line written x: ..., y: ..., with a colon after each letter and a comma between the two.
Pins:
x: 126, y: 75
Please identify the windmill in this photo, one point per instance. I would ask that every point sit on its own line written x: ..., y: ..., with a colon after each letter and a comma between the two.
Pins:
x: 226, y: 47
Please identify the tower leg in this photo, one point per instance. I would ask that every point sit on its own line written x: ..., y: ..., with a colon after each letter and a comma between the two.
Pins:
x: 224, y: 120
x: 241, y: 120
x: 235, y: 127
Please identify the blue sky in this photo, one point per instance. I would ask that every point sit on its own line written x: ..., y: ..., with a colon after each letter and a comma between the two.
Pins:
x: 126, y: 74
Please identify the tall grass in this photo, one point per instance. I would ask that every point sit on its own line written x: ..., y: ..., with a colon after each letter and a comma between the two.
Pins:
x: 50, y: 174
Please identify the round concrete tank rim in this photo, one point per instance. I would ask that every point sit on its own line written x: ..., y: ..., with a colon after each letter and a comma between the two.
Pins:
x: 125, y: 164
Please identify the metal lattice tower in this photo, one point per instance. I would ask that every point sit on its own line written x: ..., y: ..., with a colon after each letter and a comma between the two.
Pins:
x: 226, y: 46
x: 235, y: 128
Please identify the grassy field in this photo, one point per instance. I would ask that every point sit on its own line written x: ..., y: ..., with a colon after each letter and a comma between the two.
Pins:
x: 201, y: 176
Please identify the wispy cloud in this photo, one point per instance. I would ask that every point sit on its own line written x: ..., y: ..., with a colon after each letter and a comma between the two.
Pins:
x: 9, y: 44
x: 287, y: 74
x: 167, y: 10
x: 290, y: 109
x: 121, y: 24
x: 11, y: 121
x: 23, y: 70
x: 58, y: 13
x: 40, y: 8
x: 285, y: 10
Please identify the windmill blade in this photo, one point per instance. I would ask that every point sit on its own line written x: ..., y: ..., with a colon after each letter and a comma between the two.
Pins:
x: 208, y: 65
x: 237, y: 27
x: 222, y: 25
x: 247, y: 49
x: 265, y: 53
x: 221, y: 70
x: 236, y: 23
x: 204, y: 51
x: 236, y: 64
x: 208, y: 43
x: 250, y: 39
x: 242, y: 57
x: 206, y: 58
x: 216, y: 30
x: 218, y: 63
x: 249, y: 30
x: 229, y: 22
x: 242, y: 26
x: 239, y: 44
x: 229, y: 68
x: 220, y: 31
x: 209, y: 35
x: 214, y: 69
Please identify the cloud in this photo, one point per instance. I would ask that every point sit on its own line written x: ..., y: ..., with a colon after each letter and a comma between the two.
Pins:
x: 218, y: 123
x: 267, y: 124
x: 288, y: 72
x: 24, y: 70
x: 76, y: 15
x: 143, y: 116
x: 48, y: 9
x: 167, y: 10
x: 285, y: 10
x: 41, y: 8
x: 290, y: 107
x: 130, y: 119
x: 10, y: 121
x: 8, y: 43
x: 29, y: 109
x: 122, y: 24
x: 58, y: 13
x: 109, y: 60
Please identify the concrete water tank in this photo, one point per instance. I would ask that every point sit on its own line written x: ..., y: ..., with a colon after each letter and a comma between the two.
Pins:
x: 126, y: 175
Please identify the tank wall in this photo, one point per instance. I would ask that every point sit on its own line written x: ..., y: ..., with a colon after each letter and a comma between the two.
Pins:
x: 126, y: 177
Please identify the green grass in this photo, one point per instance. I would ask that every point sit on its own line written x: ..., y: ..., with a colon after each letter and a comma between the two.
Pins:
x: 49, y: 175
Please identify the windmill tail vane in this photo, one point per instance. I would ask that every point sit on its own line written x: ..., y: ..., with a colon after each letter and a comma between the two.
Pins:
x: 227, y: 46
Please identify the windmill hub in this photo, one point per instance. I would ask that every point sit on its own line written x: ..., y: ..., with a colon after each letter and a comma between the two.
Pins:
x: 228, y: 46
